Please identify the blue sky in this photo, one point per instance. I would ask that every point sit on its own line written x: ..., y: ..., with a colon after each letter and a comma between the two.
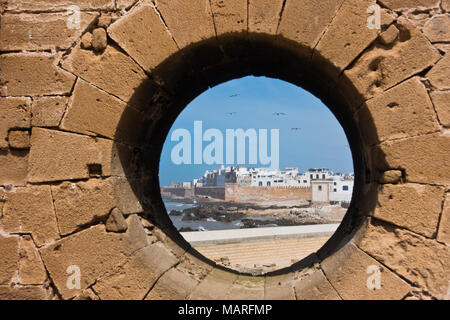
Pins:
x: 321, y: 142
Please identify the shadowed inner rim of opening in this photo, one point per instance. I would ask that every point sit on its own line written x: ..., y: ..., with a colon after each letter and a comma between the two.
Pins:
x: 183, y: 83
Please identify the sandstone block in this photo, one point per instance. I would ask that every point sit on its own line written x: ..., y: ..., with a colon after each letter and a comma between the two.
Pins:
x: 9, y: 247
x: 24, y: 293
x: 116, y: 222
x: 391, y: 177
x: 30, y: 210
x: 102, y: 70
x: 94, y: 251
x: 279, y: 288
x: 13, y: 167
x: 86, y: 41
x: 305, y: 22
x: 247, y: 288
x: 422, y: 261
x: 70, y: 153
x: 104, y: 21
x: 42, y: 31
x: 149, y: 49
x: 82, y: 203
x: 125, y: 4
x: 347, y: 36
x: 264, y: 16
x: 19, y: 139
x: 99, y: 39
x: 48, y: 111
x: 409, y: 4
x: 413, y: 206
x: 444, y: 224
x: 314, y: 286
x: 405, y: 110
x: 229, y: 16
x: 25, y: 74
x: 349, y: 270
x: 441, y: 101
x: 380, y: 69
x: 173, y: 285
x: 446, y: 5
x: 53, y: 5
x: 134, y: 279
x: 438, y: 75
x: 31, y: 268
x: 390, y: 35
x: 430, y: 167
x: 215, y: 286
x: 437, y: 29
x: 188, y: 21
x: 14, y: 113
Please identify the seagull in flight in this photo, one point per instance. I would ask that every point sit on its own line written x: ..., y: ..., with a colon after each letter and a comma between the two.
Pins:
x: 295, y: 129
x: 234, y: 95
x: 230, y: 113
x: 279, y: 113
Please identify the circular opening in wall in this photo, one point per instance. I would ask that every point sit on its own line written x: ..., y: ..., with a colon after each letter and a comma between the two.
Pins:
x: 256, y: 174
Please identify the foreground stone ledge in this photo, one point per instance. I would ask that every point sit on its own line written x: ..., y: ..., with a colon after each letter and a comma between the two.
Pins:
x: 30, y: 210
x: 28, y: 74
x: 430, y: 167
x: 14, y: 113
x: 421, y: 261
x: 94, y: 251
x: 111, y: 70
x: 189, y: 21
x: 54, y: 5
x: 9, y: 247
x: 215, y: 286
x: 132, y: 34
x: 314, y: 286
x: 305, y: 21
x: 406, y: 110
x: 386, y: 65
x: 348, y: 272
x: 413, y: 206
x: 441, y: 101
x: 134, y: 279
x: 40, y: 31
x: 70, y: 153
x: 444, y: 224
x: 173, y: 285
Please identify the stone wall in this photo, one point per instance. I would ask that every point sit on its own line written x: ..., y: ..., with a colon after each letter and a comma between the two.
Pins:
x: 235, y: 192
x: 87, y: 98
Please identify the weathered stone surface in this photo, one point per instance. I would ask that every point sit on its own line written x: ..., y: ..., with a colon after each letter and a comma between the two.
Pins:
x: 437, y: 29
x: 413, y: 206
x: 93, y: 111
x: 173, y: 285
x: 116, y: 222
x: 14, y: 113
x: 131, y: 32
x: 315, y: 286
x: 391, y: 177
x: 31, y: 268
x: 104, y: 21
x: 126, y: 199
x: 99, y: 39
x: 385, y: 66
x: 86, y: 41
x: 409, y: 4
x: 94, y: 251
x: 444, y: 224
x: 25, y: 74
x: 446, y: 5
x: 348, y: 271
x: 40, y: 32
x: 264, y: 16
x: 82, y: 203
x: 390, y: 35
x: 347, y: 36
x: 70, y: 153
x: 215, y: 286
x: 13, y: 167
x: 384, y: 117
x: 188, y: 21
x: 229, y: 16
x: 48, y: 111
x: 438, y: 75
x: 19, y: 139
x: 305, y: 22
x: 87, y: 294
x: 30, y: 210
x: 24, y: 293
x: 41, y: 5
x: 134, y: 279
x: 111, y: 71
x: 279, y: 288
x: 423, y: 262
x: 441, y: 101
x: 9, y: 247
x: 430, y: 167
x: 247, y: 288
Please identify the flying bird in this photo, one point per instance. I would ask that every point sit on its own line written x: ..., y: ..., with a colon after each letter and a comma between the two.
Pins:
x: 230, y: 113
x: 279, y: 113
x: 295, y: 129
x: 234, y: 95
